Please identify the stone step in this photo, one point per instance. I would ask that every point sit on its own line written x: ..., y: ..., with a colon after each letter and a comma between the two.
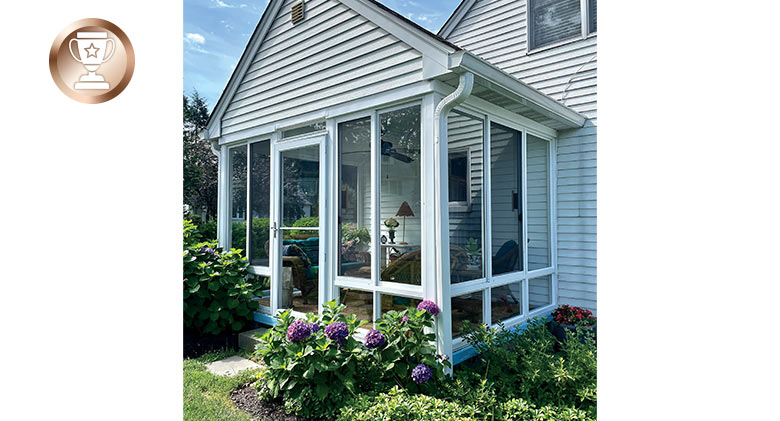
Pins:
x: 231, y: 366
x: 247, y: 340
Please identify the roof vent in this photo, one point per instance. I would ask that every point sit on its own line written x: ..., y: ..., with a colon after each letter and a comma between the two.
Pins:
x: 296, y: 13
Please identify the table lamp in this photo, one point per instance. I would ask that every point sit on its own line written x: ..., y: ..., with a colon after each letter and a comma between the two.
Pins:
x: 404, y: 211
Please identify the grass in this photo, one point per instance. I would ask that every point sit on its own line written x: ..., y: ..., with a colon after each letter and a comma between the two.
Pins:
x: 207, y: 396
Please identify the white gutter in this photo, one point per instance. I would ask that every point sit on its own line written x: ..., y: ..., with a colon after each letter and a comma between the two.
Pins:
x: 441, y: 209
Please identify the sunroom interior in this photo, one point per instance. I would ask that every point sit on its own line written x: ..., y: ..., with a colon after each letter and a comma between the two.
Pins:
x: 405, y: 197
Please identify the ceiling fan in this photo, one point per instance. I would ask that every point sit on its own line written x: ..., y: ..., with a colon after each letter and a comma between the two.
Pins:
x: 388, y: 150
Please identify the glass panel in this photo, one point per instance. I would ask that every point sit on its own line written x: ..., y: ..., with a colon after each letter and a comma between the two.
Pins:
x: 506, y: 301
x: 506, y: 200
x: 458, y: 168
x: 309, y: 128
x: 301, y: 187
x: 466, y: 307
x: 355, y: 198
x: 392, y: 302
x: 466, y: 137
x: 554, y: 20
x: 260, y: 193
x: 538, y: 202
x: 264, y: 297
x: 238, y: 198
x: 360, y: 303
x: 591, y: 16
x: 399, y: 195
x: 300, y: 237
x: 539, y: 292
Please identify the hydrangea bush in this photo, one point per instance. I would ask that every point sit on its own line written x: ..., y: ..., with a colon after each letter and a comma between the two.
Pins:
x: 313, y: 370
x: 218, y: 289
x: 316, y: 365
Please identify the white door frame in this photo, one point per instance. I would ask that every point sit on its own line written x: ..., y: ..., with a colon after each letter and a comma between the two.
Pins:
x: 277, y: 147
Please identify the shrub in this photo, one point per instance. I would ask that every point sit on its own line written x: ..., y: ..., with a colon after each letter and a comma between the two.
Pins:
x: 312, y: 373
x: 315, y: 365
x: 217, y: 290
x: 408, y: 346
x: 399, y: 405
x: 530, y: 364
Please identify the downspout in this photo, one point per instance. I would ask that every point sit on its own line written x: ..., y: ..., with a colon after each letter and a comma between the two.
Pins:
x: 441, y: 215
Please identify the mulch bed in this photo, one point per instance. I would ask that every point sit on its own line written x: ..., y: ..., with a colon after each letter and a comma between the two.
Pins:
x: 247, y: 400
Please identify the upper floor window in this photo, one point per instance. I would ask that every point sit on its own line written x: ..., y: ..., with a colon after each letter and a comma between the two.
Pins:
x: 552, y: 21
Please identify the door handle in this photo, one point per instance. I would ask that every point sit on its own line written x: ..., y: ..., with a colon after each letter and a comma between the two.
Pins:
x: 273, y: 227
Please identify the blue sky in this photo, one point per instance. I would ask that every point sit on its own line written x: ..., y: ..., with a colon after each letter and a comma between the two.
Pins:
x: 216, y: 32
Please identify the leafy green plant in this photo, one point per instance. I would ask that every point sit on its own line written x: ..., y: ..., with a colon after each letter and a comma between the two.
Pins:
x: 532, y: 365
x: 312, y: 372
x: 350, y: 232
x: 218, y: 290
x: 408, y: 345
x: 472, y: 246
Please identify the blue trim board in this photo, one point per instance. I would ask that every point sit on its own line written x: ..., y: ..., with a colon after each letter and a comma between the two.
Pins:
x: 263, y: 318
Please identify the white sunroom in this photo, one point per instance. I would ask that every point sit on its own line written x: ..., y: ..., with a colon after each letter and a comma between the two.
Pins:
x: 362, y: 159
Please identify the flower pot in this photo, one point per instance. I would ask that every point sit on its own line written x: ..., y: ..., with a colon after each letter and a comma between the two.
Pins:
x: 559, y: 330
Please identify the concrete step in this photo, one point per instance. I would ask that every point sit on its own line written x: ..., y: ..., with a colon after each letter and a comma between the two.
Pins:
x: 247, y: 340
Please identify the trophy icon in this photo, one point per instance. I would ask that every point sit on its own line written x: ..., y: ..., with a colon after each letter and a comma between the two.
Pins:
x: 92, y: 53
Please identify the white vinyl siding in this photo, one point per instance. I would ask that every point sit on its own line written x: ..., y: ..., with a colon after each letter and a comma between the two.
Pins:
x: 497, y: 31
x: 333, y: 56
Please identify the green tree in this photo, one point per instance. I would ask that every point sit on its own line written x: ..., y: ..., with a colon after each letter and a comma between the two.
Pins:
x: 200, y: 164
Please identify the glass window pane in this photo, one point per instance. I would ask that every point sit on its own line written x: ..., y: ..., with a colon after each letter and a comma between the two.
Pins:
x: 260, y: 160
x: 301, y: 187
x: 309, y: 128
x: 238, y: 187
x: 466, y: 307
x: 355, y: 198
x: 539, y: 292
x: 538, y: 202
x: 399, y: 195
x: 591, y: 16
x: 360, y: 303
x: 466, y: 138
x: 506, y: 199
x: 506, y: 301
x: 392, y: 302
x: 553, y: 20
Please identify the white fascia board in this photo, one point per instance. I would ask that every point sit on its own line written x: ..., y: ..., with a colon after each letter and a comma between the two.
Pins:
x: 512, y: 87
x: 214, y: 125
x: 435, y: 53
x: 456, y: 17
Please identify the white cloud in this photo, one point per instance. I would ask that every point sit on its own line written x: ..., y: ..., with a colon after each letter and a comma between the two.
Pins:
x: 194, y: 37
x: 221, y: 3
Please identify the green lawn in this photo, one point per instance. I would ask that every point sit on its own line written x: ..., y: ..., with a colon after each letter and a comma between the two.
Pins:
x: 206, y: 396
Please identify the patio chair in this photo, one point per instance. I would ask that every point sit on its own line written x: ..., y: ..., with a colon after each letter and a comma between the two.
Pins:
x: 506, y: 259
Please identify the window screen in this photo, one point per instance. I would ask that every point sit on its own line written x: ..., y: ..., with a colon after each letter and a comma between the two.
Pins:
x: 553, y: 20
x: 591, y: 16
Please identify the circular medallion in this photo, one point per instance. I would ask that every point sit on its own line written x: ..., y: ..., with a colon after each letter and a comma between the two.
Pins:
x: 91, y: 60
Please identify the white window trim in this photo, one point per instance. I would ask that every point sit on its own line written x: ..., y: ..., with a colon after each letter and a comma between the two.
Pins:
x: 584, y: 27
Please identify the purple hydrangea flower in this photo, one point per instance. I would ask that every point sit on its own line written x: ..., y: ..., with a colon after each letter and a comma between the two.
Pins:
x: 375, y: 339
x: 421, y: 373
x: 314, y: 327
x: 207, y: 250
x: 298, y: 331
x: 429, y: 306
x: 337, y: 331
x: 444, y: 357
x: 404, y: 319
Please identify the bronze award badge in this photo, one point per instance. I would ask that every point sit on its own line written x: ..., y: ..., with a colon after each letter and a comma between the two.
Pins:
x: 91, y: 60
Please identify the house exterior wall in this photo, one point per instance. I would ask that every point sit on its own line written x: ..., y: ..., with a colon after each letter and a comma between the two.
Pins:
x: 496, y: 30
x: 333, y: 56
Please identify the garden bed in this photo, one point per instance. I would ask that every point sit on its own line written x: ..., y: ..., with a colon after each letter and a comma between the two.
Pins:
x: 248, y: 400
x: 195, y: 345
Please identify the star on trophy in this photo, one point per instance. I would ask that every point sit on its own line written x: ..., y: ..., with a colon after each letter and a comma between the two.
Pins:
x: 92, y: 53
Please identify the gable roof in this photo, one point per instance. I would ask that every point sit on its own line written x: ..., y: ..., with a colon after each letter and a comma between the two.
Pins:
x: 455, y: 18
x: 399, y: 26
